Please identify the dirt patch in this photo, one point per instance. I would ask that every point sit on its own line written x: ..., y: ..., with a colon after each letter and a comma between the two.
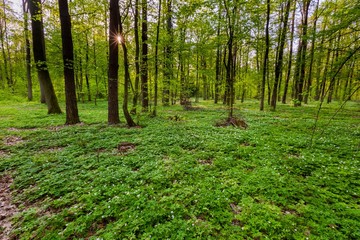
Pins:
x: 52, y: 149
x: 125, y: 147
x: 7, y: 210
x: 235, y: 208
x: 4, y: 154
x: 206, y: 161
x: 232, y: 121
x: 56, y: 128
x: 246, y: 144
x: 13, y: 140
x: 21, y: 129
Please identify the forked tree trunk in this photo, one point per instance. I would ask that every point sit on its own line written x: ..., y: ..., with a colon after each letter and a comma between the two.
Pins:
x: 40, y: 57
x: 72, y: 116
x: 127, y: 115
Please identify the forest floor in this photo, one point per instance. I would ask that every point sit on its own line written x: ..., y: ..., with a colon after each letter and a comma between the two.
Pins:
x: 179, y: 176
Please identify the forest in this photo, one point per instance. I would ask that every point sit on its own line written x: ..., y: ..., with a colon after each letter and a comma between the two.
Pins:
x: 167, y: 119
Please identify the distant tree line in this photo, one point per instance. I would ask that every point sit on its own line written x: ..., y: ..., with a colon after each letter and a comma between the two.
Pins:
x: 172, y: 51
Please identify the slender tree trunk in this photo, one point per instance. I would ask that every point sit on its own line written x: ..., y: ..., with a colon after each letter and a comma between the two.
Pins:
x: 302, y: 54
x: 127, y: 81
x: 113, y: 98
x: 266, y: 56
x: 72, y: 116
x: 81, y: 79
x: 40, y: 56
x: 183, y: 85
x: 231, y: 57
x: 197, y: 84
x: 312, y: 53
x: 96, y: 69
x: 319, y: 65
x: 137, y: 57
x: 87, y: 49
x: 144, y: 59
x: 334, y: 59
x: 156, y: 60
x: 279, y: 63
x: 27, y: 51
x: 347, y: 87
x: 168, y: 65
x: 286, y: 87
x: 325, y: 72
x: 3, y: 30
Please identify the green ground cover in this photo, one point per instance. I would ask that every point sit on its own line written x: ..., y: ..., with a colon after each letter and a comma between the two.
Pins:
x: 184, y: 179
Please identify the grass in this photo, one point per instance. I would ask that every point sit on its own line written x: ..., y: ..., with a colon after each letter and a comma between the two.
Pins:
x: 185, y: 178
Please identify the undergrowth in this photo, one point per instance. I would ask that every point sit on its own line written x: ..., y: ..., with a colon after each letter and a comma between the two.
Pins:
x: 185, y: 178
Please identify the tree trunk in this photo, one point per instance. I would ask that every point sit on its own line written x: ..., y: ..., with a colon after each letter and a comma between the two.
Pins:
x: 27, y: 51
x: 137, y: 57
x: 266, y: 56
x: 302, y: 54
x: 144, y: 59
x: 168, y: 58
x: 127, y: 115
x: 286, y: 87
x: 156, y: 60
x: 40, y: 57
x: 312, y: 52
x: 3, y: 39
x: 87, y: 68
x: 72, y: 116
x: 113, y: 98
x: 183, y: 86
x: 279, y: 62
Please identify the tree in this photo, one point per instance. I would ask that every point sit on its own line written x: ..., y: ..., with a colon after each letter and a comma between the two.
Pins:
x: 40, y: 57
x: 157, y: 60
x: 137, y: 56
x: 144, y: 58
x: 279, y: 61
x: 301, y: 54
x: 288, y: 74
x: 113, y: 98
x: 27, y: 51
x: 168, y: 54
x: 72, y: 116
x: 5, y: 47
x: 130, y: 122
x: 266, y: 56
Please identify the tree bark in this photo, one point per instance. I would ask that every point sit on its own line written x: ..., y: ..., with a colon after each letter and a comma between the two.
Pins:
x: 127, y: 115
x: 312, y: 53
x: 72, y: 116
x: 144, y: 59
x: 113, y: 98
x: 266, y: 56
x: 168, y: 58
x: 156, y: 60
x: 27, y: 51
x: 301, y: 59
x: 279, y: 62
x: 288, y: 74
x: 40, y: 57
x: 137, y: 57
